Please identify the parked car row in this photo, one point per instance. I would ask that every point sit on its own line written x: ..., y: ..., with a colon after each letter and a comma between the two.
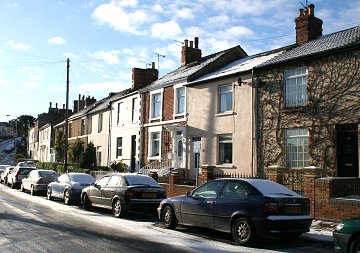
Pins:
x: 246, y: 208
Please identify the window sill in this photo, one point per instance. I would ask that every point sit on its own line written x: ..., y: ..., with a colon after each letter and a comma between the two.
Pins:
x: 153, y: 158
x: 221, y: 114
x: 155, y: 119
x: 179, y: 115
x: 225, y: 166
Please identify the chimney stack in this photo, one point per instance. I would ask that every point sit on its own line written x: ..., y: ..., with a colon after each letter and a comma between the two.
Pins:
x: 307, y: 26
x: 190, y: 54
x: 143, y: 77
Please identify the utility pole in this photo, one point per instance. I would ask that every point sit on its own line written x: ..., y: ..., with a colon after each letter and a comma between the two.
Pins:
x: 66, y: 134
x: 158, y: 56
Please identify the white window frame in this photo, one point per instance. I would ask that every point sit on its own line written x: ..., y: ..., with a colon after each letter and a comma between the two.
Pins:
x: 119, y: 148
x: 220, y: 93
x: 98, y: 154
x: 120, y: 114
x: 135, y: 106
x: 100, y: 122
x: 297, y: 156
x: 89, y: 128
x: 152, y: 93
x: 176, y: 100
x: 219, y: 142
x: 153, y: 130
x: 296, y: 81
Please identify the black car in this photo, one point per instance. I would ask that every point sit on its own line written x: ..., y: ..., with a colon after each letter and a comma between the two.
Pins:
x: 122, y: 192
x: 68, y: 187
x: 247, y: 208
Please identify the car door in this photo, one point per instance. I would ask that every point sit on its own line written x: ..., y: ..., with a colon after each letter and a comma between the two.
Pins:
x: 29, y: 179
x: 95, y: 191
x: 108, y: 192
x: 198, y: 208
x: 235, y: 197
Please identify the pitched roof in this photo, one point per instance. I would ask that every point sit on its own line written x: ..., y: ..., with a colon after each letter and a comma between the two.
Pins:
x: 238, y: 66
x: 323, y: 44
x: 105, y: 102
x: 191, y: 70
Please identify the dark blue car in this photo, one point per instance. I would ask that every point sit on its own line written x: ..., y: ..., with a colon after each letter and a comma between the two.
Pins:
x: 247, y: 208
x: 68, y: 187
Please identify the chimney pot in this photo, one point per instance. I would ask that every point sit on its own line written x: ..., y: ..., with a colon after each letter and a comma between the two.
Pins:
x: 83, y: 97
x: 56, y: 105
x: 63, y: 106
x: 79, y: 96
x: 196, y: 42
x: 301, y: 12
x: 50, y: 104
x: 153, y: 65
x: 311, y: 9
x: 186, y: 43
x: 191, y: 44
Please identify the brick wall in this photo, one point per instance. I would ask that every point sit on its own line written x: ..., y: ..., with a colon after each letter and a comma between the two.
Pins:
x: 168, y: 103
x: 330, y: 198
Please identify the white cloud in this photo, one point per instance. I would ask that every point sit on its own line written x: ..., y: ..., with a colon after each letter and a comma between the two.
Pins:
x: 168, y: 30
x: 120, y: 19
x: 235, y: 32
x: 18, y: 45
x: 56, y: 40
x: 185, y: 13
x: 218, y: 20
x: 3, y: 83
x: 31, y: 84
x: 157, y: 8
x: 128, y: 3
x: 110, y: 57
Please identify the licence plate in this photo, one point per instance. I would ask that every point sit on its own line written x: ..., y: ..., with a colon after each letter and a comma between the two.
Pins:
x: 292, y: 209
x: 149, y: 195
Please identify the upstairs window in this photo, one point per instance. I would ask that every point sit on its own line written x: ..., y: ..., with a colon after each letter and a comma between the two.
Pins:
x: 89, y: 125
x: 225, y: 98
x: 156, y: 105
x: 180, y: 101
x: 296, y: 87
x: 100, y: 123
x: 135, y: 110
x: 82, y: 126
x: 120, y: 116
x: 297, y: 147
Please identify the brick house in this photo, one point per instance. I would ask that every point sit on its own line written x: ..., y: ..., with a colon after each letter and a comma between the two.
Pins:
x: 164, y: 113
x: 308, y: 101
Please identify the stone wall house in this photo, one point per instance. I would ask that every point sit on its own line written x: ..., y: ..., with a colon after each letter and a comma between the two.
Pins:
x: 308, y: 101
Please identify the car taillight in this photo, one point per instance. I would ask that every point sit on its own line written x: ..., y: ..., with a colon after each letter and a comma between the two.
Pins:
x: 129, y: 194
x: 271, y: 208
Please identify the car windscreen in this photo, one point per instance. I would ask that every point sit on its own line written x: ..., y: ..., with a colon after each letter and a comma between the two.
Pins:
x: 140, y: 180
x: 25, y: 171
x: 83, y: 179
x: 271, y: 188
x: 48, y: 174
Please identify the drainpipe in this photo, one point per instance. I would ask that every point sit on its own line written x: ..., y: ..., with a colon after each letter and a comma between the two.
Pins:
x: 109, y: 136
x: 254, y: 136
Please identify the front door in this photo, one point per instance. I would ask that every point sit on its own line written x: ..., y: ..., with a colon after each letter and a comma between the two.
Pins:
x: 133, y: 153
x: 179, y: 149
x: 196, y: 150
x: 347, y: 150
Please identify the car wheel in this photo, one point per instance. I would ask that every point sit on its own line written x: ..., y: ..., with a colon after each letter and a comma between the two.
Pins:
x: 67, y: 197
x: 86, y: 202
x: 22, y: 188
x: 168, y: 217
x: 32, y: 190
x: 243, y: 231
x: 48, y: 194
x: 117, y: 208
x: 355, y: 246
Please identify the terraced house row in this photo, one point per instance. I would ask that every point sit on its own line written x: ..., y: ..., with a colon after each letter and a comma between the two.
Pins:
x: 293, y: 107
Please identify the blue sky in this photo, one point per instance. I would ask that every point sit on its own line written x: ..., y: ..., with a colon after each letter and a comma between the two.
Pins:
x: 105, y: 39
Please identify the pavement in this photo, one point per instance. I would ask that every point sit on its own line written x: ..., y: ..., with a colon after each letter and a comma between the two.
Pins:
x: 320, y: 231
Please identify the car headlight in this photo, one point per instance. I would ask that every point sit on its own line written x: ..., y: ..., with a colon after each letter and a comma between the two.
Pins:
x: 339, y: 226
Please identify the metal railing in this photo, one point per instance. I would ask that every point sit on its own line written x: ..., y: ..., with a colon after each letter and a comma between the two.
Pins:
x: 161, y: 166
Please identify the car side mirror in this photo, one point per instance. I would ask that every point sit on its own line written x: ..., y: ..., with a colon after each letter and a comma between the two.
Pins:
x: 188, y: 194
